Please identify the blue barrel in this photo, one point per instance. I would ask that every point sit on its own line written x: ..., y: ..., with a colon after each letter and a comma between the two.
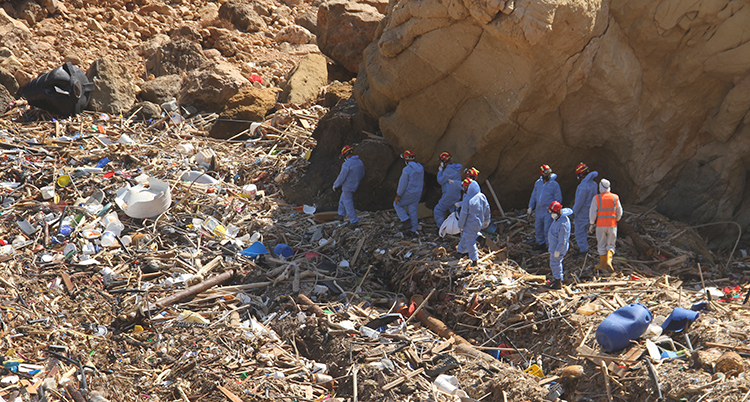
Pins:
x: 622, y: 326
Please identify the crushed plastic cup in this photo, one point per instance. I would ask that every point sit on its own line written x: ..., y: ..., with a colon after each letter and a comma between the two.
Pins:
x: 185, y: 148
x: 195, y: 318
x: 91, y: 233
x: 194, y: 176
x: 447, y: 384
x: 249, y: 191
x: 63, y: 180
x: 309, y: 209
x: 125, y: 139
x: 48, y: 192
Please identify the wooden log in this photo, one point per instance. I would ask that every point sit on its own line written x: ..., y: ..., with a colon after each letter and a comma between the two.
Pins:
x: 644, y: 249
x: 316, y: 310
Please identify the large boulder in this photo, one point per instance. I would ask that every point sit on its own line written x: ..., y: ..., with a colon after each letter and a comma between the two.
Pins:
x: 344, y: 29
x: 175, y: 56
x: 304, y: 80
x: 113, y: 90
x: 161, y: 89
x: 208, y: 88
x: 651, y: 93
x: 243, y: 15
x: 250, y: 104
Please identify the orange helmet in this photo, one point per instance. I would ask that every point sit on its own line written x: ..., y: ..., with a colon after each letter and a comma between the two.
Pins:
x: 445, y: 156
x: 408, y: 155
x: 545, y: 170
x: 472, y: 172
x: 581, y: 169
x: 345, y: 150
x: 466, y: 182
x: 555, y: 206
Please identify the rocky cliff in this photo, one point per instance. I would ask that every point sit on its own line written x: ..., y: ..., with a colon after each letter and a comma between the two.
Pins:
x: 652, y: 94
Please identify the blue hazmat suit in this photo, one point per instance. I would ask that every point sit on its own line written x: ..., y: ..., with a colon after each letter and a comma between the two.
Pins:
x: 352, y: 172
x: 474, y: 216
x: 584, y: 194
x: 451, y: 191
x: 543, y: 195
x: 410, y: 190
x: 558, y: 241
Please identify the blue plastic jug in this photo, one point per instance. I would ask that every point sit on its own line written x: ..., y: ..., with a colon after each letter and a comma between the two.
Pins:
x: 622, y: 326
x: 679, y: 320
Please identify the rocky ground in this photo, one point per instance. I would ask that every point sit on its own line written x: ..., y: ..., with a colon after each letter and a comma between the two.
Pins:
x: 177, y: 314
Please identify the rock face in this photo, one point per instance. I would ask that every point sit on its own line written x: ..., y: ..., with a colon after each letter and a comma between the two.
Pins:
x: 113, y: 91
x: 8, y: 81
x: 161, y: 89
x: 652, y: 94
x: 344, y: 125
x: 210, y: 87
x: 305, y: 80
x: 250, y: 104
x: 344, y: 30
x: 5, y: 99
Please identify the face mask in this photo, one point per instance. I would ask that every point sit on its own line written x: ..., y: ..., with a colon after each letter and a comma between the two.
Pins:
x: 555, y: 215
x: 546, y: 177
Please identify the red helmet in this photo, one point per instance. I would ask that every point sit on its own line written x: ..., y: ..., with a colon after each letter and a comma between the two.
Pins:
x: 472, y: 172
x: 555, y: 206
x: 581, y: 169
x: 545, y: 170
x: 466, y: 182
x: 408, y: 155
x: 345, y: 150
x: 445, y: 156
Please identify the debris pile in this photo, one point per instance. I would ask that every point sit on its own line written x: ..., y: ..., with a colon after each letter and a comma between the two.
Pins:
x: 142, y: 260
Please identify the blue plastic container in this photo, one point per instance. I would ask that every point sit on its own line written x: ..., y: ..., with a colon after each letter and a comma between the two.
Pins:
x: 678, y: 320
x: 622, y: 326
x: 283, y: 250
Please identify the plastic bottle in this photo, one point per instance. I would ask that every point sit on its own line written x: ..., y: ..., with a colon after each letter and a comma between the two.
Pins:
x: 623, y: 325
x: 214, y: 226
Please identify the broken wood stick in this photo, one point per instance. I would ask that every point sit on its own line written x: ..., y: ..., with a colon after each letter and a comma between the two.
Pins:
x: 194, y: 290
x: 316, y: 310
x: 489, y: 185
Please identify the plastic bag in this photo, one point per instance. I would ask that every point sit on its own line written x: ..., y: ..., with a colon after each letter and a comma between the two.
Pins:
x: 450, y: 226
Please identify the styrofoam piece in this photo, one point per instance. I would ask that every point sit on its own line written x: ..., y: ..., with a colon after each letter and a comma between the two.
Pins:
x: 144, y: 201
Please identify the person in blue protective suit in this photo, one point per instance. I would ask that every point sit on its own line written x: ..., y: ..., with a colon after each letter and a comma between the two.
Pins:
x: 584, y: 194
x: 558, y: 240
x: 409, y: 192
x: 352, y: 172
x: 475, y: 216
x: 449, y: 178
x: 546, y: 190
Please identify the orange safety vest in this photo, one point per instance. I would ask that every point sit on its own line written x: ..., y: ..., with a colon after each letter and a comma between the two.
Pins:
x: 606, y: 210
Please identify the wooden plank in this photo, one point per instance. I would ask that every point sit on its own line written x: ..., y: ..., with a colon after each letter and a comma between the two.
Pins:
x: 68, y: 283
x: 229, y: 394
x: 602, y: 284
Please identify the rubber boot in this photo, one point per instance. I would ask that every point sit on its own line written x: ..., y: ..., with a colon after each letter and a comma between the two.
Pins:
x: 610, y: 254
x: 602, y: 266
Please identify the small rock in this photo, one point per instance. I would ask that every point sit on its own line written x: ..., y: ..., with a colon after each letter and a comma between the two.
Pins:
x: 730, y: 363
x: 9, y: 25
x: 161, y: 89
x: 150, y: 48
x: 226, y: 46
x: 176, y: 56
x: 148, y: 110
x: 95, y: 26
x: 704, y: 359
x: 5, y: 99
x: 5, y: 52
x: 23, y: 77
x: 8, y: 81
x: 208, y: 12
x: 212, y: 54
x: 242, y: 15
x: 73, y: 58
x: 337, y: 92
x: 308, y: 20
x: 294, y: 34
x: 250, y: 104
x: 187, y: 32
x: 210, y: 86
x: 52, y: 6
x: 32, y: 12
